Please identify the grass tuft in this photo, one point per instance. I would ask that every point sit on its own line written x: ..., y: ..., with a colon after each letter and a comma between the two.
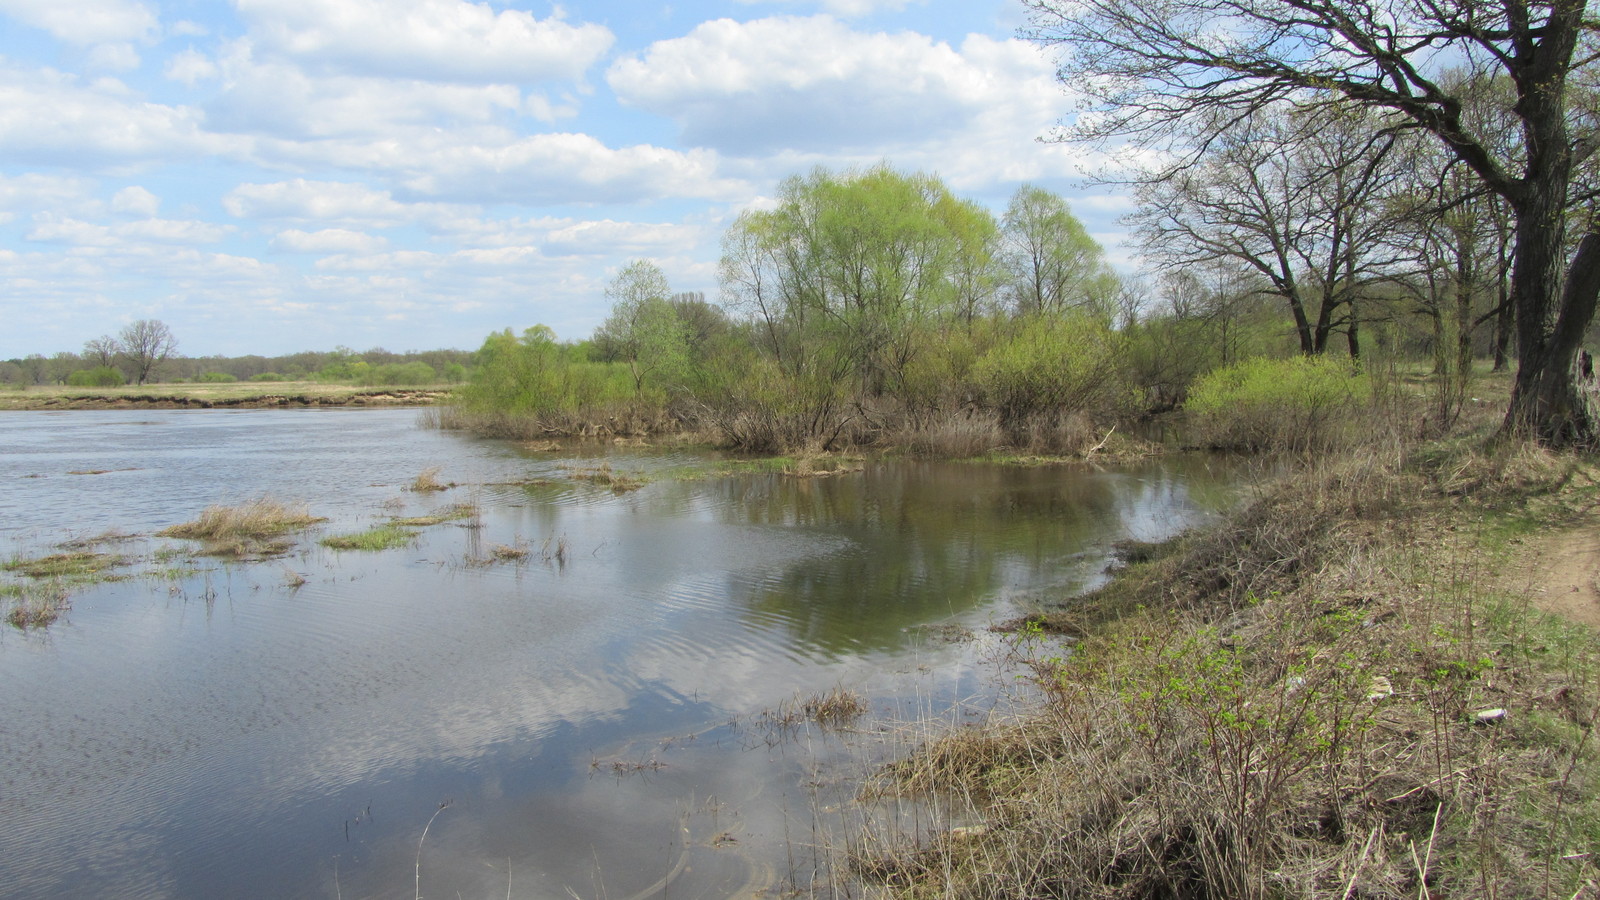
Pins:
x: 604, y: 476
x: 37, y: 605
x: 259, y: 518
x: 427, y: 482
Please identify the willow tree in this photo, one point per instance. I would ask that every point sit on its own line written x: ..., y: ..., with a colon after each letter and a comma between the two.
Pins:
x: 846, y: 275
x: 1178, y: 73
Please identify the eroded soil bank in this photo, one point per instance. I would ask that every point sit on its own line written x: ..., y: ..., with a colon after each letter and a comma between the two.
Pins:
x: 199, y: 399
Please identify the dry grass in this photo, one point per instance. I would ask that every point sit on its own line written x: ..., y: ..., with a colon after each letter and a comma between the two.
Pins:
x: 249, y: 530
x: 1291, y: 705
x: 836, y: 708
x: 604, y: 476
x: 427, y: 482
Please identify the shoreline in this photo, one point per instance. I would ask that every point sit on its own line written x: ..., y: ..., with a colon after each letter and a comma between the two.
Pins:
x: 209, y: 397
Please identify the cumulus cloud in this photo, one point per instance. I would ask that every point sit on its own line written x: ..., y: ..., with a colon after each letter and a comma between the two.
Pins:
x: 563, y: 168
x: 135, y: 200
x: 812, y: 84
x: 55, y: 119
x: 282, y: 100
x: 846, y: 8
x: 85, y: 22
x: 318, y: 201
x: 113, y: 57
x: 328, y: 240
x: 32, y: 191
x: 61, y: 230
x: 190, y: 67
x: 444, y: 40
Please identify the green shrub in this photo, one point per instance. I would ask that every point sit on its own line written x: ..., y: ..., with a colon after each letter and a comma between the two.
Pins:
x: 215, y: 378
x: 268, y: 376
x: 1053, y: 367
x: 1300, y: 403
x: 99, y: 376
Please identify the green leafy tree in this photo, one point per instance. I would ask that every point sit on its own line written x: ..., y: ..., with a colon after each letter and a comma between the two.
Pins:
x: 644, y: 329
x: 1052, y: 264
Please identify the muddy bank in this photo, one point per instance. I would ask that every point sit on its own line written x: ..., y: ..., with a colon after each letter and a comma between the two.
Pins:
x: 385, y: 398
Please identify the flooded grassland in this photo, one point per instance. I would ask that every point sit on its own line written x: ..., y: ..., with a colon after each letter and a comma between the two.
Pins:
x: 586, y: 671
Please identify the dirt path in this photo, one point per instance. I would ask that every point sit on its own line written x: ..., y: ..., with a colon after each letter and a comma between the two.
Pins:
x: 1563, y: 574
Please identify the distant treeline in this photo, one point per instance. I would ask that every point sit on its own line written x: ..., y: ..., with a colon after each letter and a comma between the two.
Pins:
x: 342, y: 365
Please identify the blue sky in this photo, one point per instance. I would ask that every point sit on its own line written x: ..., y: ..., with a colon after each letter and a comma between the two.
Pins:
x: 267, y: 176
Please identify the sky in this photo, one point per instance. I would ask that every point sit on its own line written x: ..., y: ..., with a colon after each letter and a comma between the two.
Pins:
x: 270, y: 176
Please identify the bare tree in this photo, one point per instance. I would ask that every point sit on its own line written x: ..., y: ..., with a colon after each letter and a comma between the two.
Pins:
x: 1299, y: 200
x: 146, y: 344
x: 1178, y: 73
x: 101, y: 351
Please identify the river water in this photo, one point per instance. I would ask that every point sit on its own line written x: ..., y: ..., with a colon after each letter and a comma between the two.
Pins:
x: 617, y: 720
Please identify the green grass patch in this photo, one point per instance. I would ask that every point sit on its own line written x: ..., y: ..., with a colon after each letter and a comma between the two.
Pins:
x: 78, y: 565
x: 381, y: 537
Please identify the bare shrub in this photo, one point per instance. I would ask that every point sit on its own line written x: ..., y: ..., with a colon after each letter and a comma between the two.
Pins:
x: 955, y: 435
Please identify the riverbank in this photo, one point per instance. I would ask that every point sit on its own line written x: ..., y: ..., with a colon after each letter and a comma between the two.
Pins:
x: 246, y: 395
x: 1368, y: 682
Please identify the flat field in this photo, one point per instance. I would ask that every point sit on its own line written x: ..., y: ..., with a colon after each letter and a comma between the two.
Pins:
x: 244, y: 394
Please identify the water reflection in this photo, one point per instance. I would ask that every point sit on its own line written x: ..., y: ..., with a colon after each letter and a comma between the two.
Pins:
x: 223, y: 733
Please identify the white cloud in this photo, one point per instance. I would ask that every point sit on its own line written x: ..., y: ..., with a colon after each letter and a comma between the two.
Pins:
x: 49, y: 118
x: 563, y: 168
x: 85, y: 22
x: 282, y: 100
x: 31, y: 192
x: 848, y: 8
x: 190, y: 67
x: 116, y: 57
x: 443, y: 40
x: 317, y: 201
x: 328, y: 240
x: 807, y: 84
x: 136, y: 200
x: 62, y: 230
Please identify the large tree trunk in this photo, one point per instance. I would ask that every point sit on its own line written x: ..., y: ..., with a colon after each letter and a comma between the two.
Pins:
x: 1546, y: 402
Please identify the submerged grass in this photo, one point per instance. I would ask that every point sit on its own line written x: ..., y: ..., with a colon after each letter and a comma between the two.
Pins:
x: 1331, y: 694
x: 454, y: 513
x: 77, y: 565
x: 604, y: 476
x: 380, y: 537
x: 35, y: 605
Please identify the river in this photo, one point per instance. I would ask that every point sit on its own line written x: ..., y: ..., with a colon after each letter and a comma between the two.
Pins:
x: 613, y: 720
